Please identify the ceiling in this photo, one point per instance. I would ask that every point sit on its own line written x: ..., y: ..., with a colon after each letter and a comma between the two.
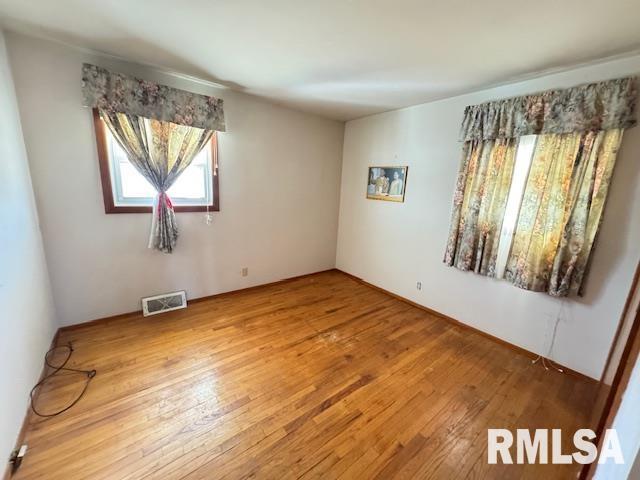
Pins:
x: 341, y: 58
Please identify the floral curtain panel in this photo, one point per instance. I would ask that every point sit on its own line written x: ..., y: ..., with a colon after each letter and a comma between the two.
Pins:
x: 579, y: 133
x: 160, y: 128
x: 562, y: 210
x: 160, y: 151
x: 479, y: 204
x: 118, y: 93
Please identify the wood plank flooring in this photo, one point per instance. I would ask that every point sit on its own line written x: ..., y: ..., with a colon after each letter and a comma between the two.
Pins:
x: 319, y: 377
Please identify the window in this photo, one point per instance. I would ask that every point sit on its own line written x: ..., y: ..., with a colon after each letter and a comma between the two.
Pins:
x: 127, y: 191
x: 524, y: 154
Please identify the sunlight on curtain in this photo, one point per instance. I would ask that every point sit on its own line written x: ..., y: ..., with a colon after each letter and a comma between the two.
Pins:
x: 532, y: 216
x: 561, y: 210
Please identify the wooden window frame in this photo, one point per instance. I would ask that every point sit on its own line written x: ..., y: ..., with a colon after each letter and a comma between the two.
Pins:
x: 107, y: 187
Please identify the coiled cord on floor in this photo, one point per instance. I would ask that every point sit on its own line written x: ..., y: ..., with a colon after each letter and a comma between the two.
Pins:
x: 56, y: 369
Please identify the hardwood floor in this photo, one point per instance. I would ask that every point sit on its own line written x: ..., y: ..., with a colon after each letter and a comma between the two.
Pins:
x: 319, y: 377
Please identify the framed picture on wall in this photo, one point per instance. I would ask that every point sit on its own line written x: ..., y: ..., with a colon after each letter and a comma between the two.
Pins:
x: 387, y: 183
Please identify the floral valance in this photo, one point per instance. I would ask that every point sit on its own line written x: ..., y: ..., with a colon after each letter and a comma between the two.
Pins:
x: 119, y: 93
x: 591, y: 107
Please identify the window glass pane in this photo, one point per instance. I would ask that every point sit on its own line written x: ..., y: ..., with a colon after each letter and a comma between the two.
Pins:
x: 193, y: 187
x: 521, y: 168
x: 134, y: 185
x: 201, y: 158
x: 117, y: 153
x: 191, y: 184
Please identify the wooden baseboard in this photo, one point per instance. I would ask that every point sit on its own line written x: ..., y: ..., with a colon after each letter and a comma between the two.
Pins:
x: 449, y: 319
x: 518, y: 349
x: 120, y: 316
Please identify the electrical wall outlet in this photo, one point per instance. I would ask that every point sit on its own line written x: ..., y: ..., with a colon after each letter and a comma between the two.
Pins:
x: 419, y: 285
x: 16, y: 457
x: 245, y: 271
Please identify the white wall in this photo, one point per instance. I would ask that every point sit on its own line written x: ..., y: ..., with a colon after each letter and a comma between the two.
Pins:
x: 280, y: 189
x: 27, y: 322
x: 394, y: 245
x: 279, y: 194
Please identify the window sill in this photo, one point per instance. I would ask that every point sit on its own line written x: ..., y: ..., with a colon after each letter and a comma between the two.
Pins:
x: 184, y: 208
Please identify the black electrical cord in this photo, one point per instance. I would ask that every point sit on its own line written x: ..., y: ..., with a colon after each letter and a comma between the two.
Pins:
x: 57, y: 368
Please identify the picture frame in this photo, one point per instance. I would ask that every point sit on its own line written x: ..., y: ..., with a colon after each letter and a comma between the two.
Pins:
x: 387, y: 183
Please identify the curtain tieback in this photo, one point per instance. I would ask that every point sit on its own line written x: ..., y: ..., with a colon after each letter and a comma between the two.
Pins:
x: 163, y: 198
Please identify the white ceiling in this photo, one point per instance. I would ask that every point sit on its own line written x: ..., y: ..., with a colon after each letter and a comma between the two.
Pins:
x: 341, y: 58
